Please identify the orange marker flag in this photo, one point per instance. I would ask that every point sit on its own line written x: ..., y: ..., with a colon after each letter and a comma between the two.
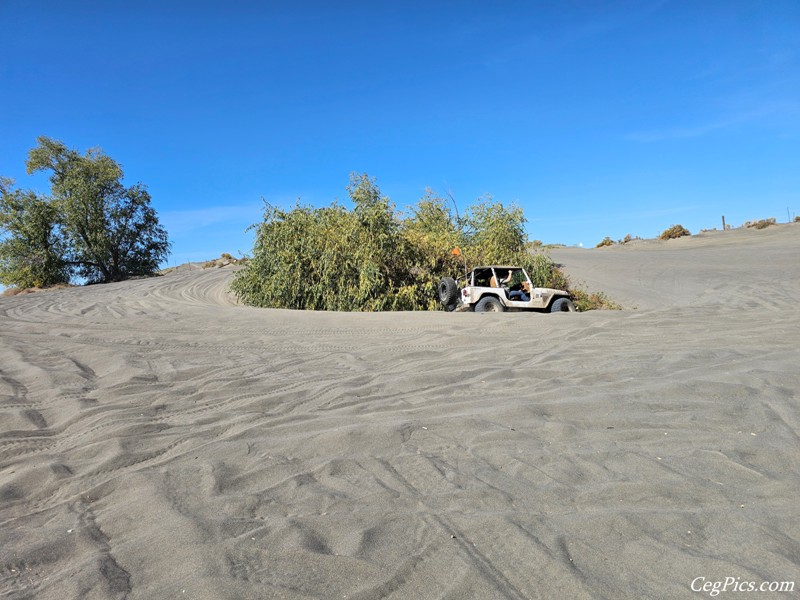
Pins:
x: 456, y: 252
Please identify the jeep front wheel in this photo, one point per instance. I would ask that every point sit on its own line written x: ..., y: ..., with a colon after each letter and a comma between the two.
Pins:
x: 562, y: 305
x: 489, y: 304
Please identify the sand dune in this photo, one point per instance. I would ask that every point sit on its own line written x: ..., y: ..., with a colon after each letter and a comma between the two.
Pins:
x: 159, y: 441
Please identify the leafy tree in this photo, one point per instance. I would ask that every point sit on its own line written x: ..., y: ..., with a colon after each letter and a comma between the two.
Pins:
x: 110, y: 231
x: 32, y: 250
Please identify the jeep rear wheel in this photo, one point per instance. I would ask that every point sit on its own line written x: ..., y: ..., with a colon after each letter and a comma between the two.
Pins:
x: 489, y: 304
x: 448, y: 291
x: 562, y: 305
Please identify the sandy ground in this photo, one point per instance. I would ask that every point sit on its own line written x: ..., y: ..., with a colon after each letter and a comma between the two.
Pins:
x: 158, y: 441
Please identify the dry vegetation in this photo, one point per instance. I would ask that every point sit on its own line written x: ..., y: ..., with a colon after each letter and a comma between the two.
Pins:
x: 223, y: 261
x: 674, y: 232
x: 607, y: 241
x: 16, y: 291
x: 761, y: 224
x: 584, y: 300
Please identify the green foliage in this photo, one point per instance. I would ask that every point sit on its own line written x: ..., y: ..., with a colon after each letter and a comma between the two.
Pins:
x: 31, y: 249
x: 674, y: 232
x: 495, y: 233
x: 430, y: 236
x: 92, y: 226
x: 330, y: 258
x: 544, y: 272
x: 369, y: 259
x: 109, y: 232
x: 607, y: 241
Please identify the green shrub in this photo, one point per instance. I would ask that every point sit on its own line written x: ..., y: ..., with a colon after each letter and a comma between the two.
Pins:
x: 369, y: 259
x: 331, y: 258
x: 607, y: 241
x: 674, y: 232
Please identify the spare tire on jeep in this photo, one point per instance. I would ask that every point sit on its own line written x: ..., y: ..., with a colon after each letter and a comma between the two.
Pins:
x: 448, y: 291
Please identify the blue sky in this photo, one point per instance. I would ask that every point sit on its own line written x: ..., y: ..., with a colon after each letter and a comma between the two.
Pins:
x: 598, y: 118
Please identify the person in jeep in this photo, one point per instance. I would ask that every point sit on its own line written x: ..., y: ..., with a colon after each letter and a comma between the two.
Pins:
x: 516, y: 291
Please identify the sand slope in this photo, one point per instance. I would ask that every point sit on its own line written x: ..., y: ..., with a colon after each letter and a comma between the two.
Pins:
x: 159, y: 441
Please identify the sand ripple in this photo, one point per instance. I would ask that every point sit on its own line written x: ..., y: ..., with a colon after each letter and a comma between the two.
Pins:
x: 159, y: 441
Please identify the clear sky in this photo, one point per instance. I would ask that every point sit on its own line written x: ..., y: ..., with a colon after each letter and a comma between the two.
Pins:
x: 597, y: 117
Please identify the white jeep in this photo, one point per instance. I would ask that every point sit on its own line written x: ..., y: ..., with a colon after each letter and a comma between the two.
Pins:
x: 499, y: 288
